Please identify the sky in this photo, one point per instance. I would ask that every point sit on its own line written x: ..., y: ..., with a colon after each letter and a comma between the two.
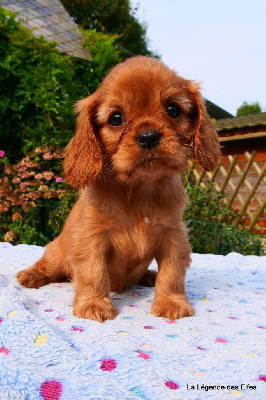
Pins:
x: 220, y: 43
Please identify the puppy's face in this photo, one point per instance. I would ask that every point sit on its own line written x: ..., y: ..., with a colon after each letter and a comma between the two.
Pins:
x: 145, y: 119
x: 146, y: 122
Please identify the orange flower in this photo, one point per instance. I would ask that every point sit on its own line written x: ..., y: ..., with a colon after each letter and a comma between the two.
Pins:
x: 9, y: 236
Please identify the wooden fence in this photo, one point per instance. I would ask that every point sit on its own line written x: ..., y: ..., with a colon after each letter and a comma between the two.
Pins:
x: 242, y: 178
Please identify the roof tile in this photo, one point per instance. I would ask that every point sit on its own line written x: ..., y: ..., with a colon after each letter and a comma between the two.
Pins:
x: 50, y: 19
x: 251, y: 120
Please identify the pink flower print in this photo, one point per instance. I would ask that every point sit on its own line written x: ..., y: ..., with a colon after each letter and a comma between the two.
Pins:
x: 24, y: 186
x: 51, y: 390
x: 2, y: 153
x: 143, y: 355
x: 4, y: 350
x: 172, y: 385
x: 221, y: 340
x: 108, y: 365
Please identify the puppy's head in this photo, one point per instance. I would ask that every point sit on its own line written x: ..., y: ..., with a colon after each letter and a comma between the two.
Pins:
x: 144, y: 122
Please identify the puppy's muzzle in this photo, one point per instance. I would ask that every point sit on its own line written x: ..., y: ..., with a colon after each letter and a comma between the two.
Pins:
x: 148, y: 139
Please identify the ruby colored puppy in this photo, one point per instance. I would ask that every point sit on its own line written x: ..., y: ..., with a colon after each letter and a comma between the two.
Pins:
x: 135, y: 136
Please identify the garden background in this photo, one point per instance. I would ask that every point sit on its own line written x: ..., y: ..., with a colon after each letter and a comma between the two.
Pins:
x: 39, y: 86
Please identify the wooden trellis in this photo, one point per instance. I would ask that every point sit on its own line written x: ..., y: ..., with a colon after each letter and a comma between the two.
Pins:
x: 243, y: 180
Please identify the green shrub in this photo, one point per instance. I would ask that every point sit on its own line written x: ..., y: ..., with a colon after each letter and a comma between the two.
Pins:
x: 105, y: 55
x: 35, y: 79
x: 206, y: 237
x: 21, y: 231
x: 39, y: 86
x: 210, y: 224
x: 207, y: 204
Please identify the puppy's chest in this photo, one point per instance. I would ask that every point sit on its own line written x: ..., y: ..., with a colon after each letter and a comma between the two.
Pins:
x: 137, y: 238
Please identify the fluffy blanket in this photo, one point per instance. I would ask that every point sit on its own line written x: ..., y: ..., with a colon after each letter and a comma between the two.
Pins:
x: 47, y: 353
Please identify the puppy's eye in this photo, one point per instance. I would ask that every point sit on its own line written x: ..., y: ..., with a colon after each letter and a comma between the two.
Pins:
x: 173, y: 110
x: 116, y: 119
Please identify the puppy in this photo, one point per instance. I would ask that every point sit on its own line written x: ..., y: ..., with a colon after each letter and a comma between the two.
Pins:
x: 134, y: 137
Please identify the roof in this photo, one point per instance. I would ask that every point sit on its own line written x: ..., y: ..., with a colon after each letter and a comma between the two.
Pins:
x: 245, y: 121
x: 50, y: 19
x: 216, y: 112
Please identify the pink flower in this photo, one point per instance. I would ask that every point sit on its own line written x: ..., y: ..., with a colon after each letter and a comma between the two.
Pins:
x: 16, y: 215
x: 34, y: 195
x: 38, y: 150
x: 48, y: 175
x: 2, y: 153
x: 24, y: 174
x: 47, y: 156
x: 57, y: 155
x: 24, y: 186
x: 59, y: 179
x: 43, y: 188
x: 7, y: 170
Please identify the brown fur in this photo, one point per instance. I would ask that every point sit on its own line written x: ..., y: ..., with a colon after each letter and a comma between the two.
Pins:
x: 132, y: 198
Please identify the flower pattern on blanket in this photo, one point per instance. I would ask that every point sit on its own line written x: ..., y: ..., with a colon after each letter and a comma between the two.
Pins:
x: 48, y: 354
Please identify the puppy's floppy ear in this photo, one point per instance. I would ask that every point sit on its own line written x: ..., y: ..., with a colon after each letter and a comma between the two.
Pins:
x: 83, y: 156
x: 206, y: 144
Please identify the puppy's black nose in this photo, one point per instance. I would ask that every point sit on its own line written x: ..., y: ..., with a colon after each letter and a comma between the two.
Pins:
x: 148, y: 139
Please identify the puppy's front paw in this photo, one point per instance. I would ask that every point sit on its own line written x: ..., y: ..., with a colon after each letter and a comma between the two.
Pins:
x: 31, y: 278
x: 98, y: 309
x: 172, y: 307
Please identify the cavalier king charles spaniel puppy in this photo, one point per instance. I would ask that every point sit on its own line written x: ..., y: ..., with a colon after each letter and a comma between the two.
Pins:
x: 134, y: 137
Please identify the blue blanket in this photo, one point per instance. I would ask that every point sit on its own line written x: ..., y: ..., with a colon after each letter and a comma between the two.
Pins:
x: 47, y: 353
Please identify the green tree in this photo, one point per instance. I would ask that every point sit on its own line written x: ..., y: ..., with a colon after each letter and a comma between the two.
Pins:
x: 248, y: 108
x: 111, y: 16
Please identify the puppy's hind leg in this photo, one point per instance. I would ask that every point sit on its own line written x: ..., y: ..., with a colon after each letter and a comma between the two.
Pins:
x: 50, y: 268
x: 148, y: 279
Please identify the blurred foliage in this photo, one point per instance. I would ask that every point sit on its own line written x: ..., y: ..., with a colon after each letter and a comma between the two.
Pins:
x: 111, y: 16
x: 248, y: 108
